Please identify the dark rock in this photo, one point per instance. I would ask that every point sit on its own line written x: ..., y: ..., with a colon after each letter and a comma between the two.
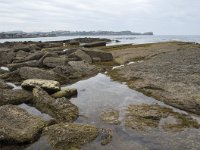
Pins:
x: 52, y: 62
x: 18, y: 126
x: 74, y: 42
x: 6, y: 57
x: 36, y: 73
x: 3, y: 85
x: 11, y: 76
x: 94, y: 44
x: 8, y: 96
x: 70, y: 136
x: 15, y: 66
x: 20, y: 55
x: 61, y: 109
x: 104, y: 56
x: 82, y: 67
x: 83, y: 56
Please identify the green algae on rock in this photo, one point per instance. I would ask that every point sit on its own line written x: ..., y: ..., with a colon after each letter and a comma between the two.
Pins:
x: 110, y: 116
x: 70, y: 136
x: 18, y: 126
x: 106, y: 136
x: 145, y: 117
x: 65, y: 92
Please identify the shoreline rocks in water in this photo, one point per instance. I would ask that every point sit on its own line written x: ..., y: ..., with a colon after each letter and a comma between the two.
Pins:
x: 61, y: 108
x: 18, y: 126
x: 146, y: 117
x: 169, y: 72
x: 70, y: 136
x: 9, y: 96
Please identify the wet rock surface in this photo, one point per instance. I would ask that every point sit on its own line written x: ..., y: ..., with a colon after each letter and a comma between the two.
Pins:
x: 145, y: 117
x: 65, y: 92
x: 70, y: 136
x: 9, y: 96
x: 17, y: 126
x: 110, y: 116
x: 36, y: 73
x: 167, y: 71
x: 61, y: 108
x: 170, y: 73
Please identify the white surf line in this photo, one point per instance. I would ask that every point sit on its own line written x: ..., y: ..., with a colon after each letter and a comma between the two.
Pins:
x: 115, y: 67
x: 5, y: 68
x: 14, y: 86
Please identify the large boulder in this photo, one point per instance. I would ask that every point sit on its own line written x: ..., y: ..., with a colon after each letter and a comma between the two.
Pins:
x: 33, y: 56
x: 11, y: 76
x: 36, y: 73
x: 82, y: 67
x: 18, y: 126
x: 20, y: 55
x: 94, y: 44
x: 8, y: 96
x: 52, y: 62
x: 6, y: 57
x: 70, y: 136
x: 48, y: 85
x: 61, y: 109
x: 103, y: 56
x: 31, y: 63
x: 83, y: 56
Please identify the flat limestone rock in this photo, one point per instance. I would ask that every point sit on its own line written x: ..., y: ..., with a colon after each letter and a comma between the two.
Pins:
x: 70, y: 136
x: 48, y: 85
x: 18, y: 126
x: 146, y: 117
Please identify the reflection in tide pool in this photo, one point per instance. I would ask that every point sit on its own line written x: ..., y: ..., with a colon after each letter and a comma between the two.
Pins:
x: 100, y: 93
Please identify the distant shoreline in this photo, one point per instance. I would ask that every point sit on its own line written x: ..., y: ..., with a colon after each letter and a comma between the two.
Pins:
x: 21, y: 34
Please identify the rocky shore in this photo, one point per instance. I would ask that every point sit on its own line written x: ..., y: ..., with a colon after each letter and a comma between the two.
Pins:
x: 42, y: 70
x: 167, y: 71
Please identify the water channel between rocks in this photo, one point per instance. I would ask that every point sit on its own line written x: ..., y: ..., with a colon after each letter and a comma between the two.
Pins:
x: 100, y: 93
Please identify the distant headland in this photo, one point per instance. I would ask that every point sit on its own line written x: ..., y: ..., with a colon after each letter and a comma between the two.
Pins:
x: 21, y: 34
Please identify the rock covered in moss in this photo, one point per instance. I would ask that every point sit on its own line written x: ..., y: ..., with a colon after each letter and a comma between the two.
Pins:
x: 106, y: 136
x: 70, y: 136
x: 145, y: 117
x: 110, y: 116
x: 18, y: 126
x: 9, y: 96
x: 48, y: 85
x: 61, y: 109
x: 67, y: 92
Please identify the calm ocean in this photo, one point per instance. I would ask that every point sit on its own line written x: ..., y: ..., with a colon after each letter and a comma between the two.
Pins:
x: 123, y: 39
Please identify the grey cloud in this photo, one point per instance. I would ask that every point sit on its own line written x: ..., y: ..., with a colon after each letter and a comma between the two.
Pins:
x: 160, y: 16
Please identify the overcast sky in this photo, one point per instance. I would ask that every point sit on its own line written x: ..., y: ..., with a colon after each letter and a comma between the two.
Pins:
x: 160, y: 16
